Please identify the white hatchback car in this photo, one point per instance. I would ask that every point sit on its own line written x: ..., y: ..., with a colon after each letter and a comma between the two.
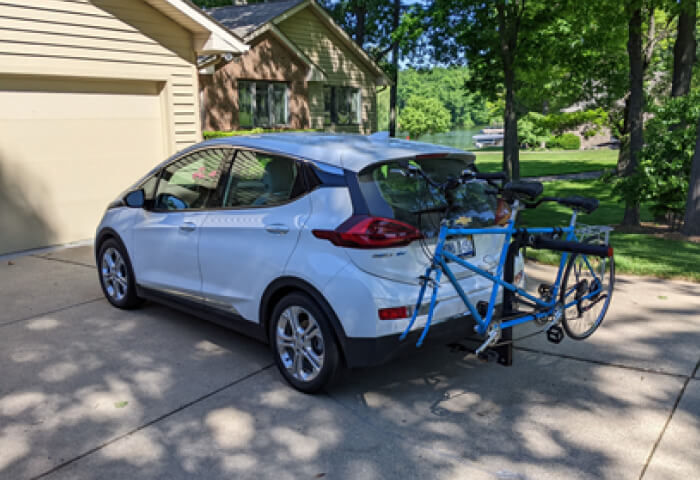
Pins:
x: 306, y: 241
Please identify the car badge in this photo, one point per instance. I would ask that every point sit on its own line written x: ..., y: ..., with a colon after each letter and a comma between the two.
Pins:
x: 465, y: 221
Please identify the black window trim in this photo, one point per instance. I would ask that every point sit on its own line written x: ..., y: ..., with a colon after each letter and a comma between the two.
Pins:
x: 310, y: 168
x: 301, y: 163
x: 224, y: 174
x: 334, y: 107
x: 270, y: 83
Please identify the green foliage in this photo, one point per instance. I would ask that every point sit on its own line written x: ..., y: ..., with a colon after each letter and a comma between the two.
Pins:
x: 448, y: 86
x: 424, y: 115
x: 208, y: 135
x: 534, y: 128
x: 565, y: 141
x: 593, y: 120
x: 664, y: 169
x: 531, y: 133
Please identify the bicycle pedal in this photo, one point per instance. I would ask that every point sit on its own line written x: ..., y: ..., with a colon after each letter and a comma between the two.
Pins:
x: 555, y: 334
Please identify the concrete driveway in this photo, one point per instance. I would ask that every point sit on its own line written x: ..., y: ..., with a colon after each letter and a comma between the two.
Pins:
x: 88, y: 391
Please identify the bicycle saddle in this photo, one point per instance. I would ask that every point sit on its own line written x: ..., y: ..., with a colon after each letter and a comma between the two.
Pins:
x: 585, y: 204
x: 530, y: 190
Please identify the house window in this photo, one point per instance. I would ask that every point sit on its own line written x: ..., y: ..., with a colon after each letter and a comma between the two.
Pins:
x: 262, y: 104
x: 342, y: 105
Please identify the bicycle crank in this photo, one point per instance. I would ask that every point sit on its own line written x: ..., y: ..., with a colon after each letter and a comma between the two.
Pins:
x: 492, y: 336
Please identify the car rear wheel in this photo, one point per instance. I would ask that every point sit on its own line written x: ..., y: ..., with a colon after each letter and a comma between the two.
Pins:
x: 303, y: 343
x: 116, y: 275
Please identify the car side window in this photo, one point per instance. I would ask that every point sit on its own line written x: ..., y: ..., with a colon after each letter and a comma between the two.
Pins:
x: 192, y: 182
x: 260, y: 179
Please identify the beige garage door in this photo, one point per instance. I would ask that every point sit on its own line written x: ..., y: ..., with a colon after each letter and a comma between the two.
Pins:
x: 68, y: 148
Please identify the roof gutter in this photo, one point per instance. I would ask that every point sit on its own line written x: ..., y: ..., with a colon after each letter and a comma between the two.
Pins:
x: 210, y: 37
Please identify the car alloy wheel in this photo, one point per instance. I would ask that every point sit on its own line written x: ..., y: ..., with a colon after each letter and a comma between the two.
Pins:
x: 300, y: 343
x: 115, y: 275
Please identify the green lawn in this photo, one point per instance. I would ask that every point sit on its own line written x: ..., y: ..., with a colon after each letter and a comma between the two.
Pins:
x: 538, y: 163
x: 638, y: 254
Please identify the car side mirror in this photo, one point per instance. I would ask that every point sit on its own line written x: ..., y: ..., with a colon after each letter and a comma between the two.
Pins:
x: 135, y: 199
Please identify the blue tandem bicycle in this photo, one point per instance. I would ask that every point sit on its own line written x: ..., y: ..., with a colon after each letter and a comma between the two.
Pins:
x: 577, y: 300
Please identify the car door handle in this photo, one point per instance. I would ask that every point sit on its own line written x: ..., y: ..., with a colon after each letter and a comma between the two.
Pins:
x: 188, y: 227
x: 277, y: 229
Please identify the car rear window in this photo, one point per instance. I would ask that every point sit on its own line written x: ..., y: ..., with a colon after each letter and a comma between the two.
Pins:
x: 392, y: 194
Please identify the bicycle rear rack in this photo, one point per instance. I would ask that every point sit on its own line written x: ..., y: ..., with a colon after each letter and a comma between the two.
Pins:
x: 589, y: 233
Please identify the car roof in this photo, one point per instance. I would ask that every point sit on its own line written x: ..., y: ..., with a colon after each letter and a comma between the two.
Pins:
x: 348, y: 151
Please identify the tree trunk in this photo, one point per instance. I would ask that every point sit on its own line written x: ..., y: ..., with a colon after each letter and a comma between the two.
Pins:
x: 511, y: 149
x: 395, y: 74
x: 361, y: 18
x: 636, y: 120
x: 684, y: 49
x: 691, y: 223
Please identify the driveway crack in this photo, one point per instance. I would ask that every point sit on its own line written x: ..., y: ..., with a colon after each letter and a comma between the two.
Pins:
x: 62, y: 260
x: 152, y: 422
x: 56, y: 310
x: 668, y: 420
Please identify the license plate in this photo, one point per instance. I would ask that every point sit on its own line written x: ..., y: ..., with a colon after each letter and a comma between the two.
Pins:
x: 462, y: 247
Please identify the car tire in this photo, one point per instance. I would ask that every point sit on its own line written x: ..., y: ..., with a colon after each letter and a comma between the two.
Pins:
x: 303, y: 343
x: 116, y: 275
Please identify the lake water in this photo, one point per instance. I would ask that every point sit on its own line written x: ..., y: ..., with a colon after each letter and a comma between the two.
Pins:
x: 455, y: 138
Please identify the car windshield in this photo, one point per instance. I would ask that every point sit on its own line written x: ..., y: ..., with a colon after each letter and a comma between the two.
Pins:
x: 391, y: 193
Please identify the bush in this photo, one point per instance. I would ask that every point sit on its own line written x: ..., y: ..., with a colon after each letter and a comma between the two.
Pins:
x: 558, y: 123
x: 664, y: 168
x: 424, y: 115
x: 566, y: 141
x: 208, y: 135
x: 530, y: 132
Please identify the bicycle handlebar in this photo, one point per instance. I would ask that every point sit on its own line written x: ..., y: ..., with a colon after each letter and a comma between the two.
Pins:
x: 572, y: 247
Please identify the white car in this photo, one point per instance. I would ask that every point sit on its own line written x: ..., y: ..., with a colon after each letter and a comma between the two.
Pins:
x: 306, y: 241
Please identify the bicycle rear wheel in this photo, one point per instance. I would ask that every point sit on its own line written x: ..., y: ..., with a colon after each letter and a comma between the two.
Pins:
x: 586, y: 275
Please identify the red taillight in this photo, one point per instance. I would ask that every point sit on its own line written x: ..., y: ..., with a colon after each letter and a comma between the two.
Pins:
x: 430, y: 155
x: 503, y: 212
x: 361, y: 231
x: 610, y: 251
x: 394, y: 313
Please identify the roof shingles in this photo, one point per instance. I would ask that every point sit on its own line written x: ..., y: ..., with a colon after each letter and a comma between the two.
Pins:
x: 245, y: 19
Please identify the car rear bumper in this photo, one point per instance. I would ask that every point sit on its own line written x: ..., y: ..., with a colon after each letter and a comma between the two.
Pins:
x: 367, y: 352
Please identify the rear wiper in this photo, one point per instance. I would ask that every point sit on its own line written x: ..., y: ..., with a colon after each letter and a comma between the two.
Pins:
x: 442, y: 209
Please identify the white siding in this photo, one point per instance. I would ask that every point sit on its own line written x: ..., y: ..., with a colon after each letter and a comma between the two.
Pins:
x: 108, y: 39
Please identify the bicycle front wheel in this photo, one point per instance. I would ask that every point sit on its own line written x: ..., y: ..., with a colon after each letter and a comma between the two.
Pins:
x: 586, y: 292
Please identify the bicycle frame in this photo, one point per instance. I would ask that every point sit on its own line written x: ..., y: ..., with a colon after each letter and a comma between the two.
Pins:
x: 440, y: 264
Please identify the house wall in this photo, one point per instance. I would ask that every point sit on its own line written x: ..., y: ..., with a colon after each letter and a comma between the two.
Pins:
x: 106, y: 39
x: 268, y: 59
x: 340, y: 65
x: 93, y: 93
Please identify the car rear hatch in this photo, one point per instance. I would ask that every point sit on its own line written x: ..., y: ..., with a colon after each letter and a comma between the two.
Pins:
x: 393, y: 199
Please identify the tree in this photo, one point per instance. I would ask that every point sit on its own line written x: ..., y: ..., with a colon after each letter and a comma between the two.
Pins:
x: 380, y: 27
x: 684, y: 48
x: 396, y: 15
x: 504, y: 43
x: 635, y: 111
x: 691, y: 223
x: 424, y: 115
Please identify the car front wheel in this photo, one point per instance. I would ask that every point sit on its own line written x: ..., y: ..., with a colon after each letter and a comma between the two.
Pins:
x: 116, y: 275
x: 303, y: 343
